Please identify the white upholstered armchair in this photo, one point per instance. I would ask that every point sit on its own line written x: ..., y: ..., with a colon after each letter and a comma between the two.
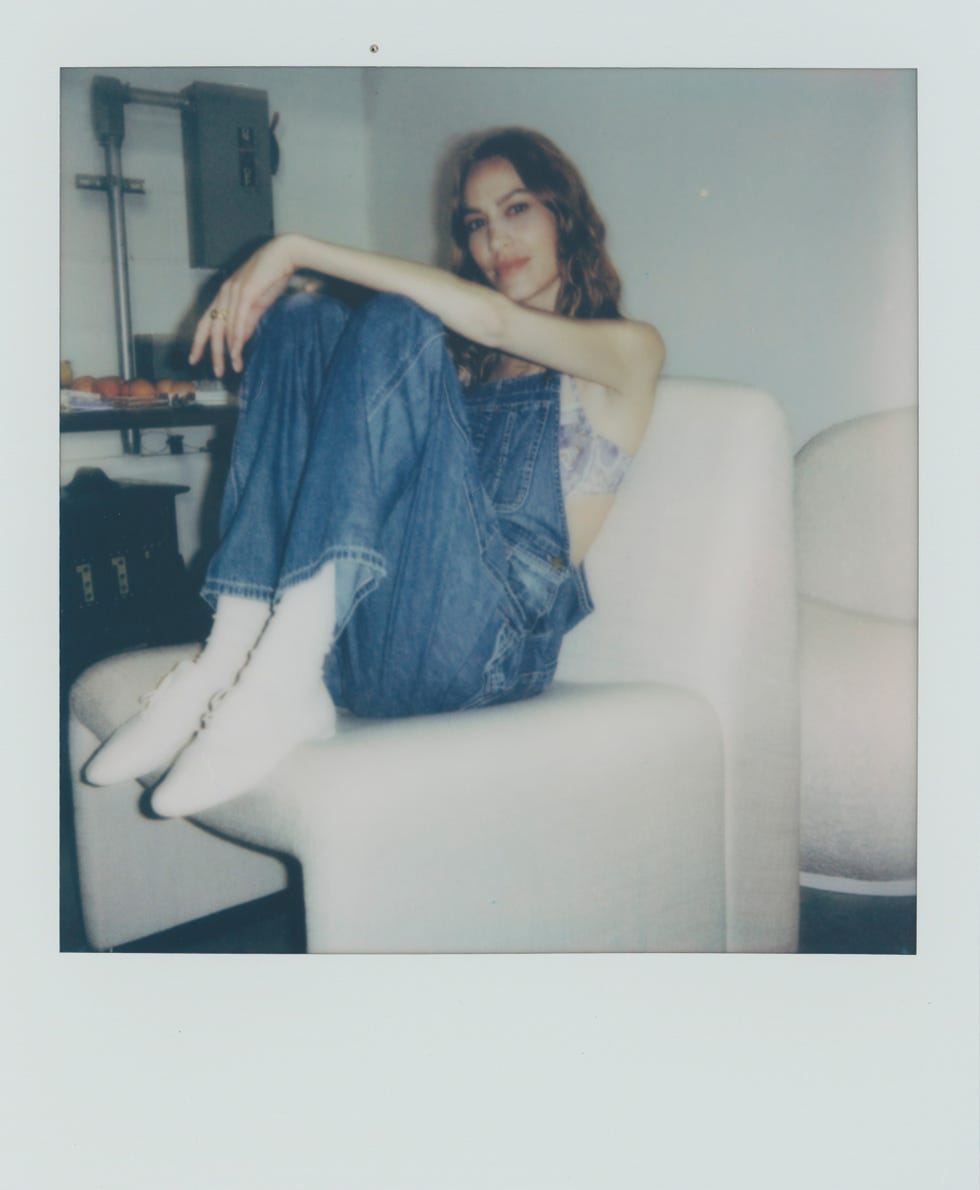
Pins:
x: 649, y: 801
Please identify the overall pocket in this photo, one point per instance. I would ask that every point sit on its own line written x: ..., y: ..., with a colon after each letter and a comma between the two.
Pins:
x: 508, y: 440
x: 536, y: 569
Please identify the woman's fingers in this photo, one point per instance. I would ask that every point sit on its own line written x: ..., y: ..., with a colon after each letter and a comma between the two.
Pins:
x: 217, y: 316
x: 250, y: 303
x: 235, y: 330
x: 223, y: 320
x: 218, y: 325
x: 232, y: 317
x: 234, y: 303
x: 211, y: 331
x: 202, y: 335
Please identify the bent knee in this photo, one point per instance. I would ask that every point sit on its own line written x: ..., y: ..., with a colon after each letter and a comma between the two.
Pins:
x: 298, y: 313
x: 392, y: 313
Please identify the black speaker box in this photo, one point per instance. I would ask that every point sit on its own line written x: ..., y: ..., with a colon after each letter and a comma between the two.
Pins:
x: 227, y: 150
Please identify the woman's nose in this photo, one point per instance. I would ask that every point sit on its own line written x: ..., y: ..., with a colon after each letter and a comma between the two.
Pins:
x: 496, y: 234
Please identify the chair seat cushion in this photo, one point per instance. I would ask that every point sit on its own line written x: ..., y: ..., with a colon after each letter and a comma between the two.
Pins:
x: 590, y: 818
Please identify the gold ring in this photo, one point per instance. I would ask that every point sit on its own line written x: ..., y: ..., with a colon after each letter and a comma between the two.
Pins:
x: 216, y: 313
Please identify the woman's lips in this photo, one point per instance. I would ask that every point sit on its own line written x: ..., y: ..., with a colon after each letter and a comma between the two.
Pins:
x: 510, y: 267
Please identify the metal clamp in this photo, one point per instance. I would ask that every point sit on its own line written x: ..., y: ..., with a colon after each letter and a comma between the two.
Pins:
x: 101, y: 182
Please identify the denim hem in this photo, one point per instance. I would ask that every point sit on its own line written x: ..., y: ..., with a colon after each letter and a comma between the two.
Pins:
x: 371, y: 559
x: 336, y: 553
x: 214, y: 588
x: 365, y: 559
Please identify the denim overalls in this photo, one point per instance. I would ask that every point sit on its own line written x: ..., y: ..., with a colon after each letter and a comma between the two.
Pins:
x: 443, y: 509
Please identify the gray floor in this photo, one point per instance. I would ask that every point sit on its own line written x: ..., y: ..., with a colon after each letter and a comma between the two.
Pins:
x: 830, y: 923
x: 844, y: 923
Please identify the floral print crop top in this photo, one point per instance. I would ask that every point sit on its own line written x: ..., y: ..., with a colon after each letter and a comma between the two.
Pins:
x: 590, y: 464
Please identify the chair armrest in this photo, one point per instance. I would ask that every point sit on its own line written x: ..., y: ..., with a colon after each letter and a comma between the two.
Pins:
x: 694, y: 583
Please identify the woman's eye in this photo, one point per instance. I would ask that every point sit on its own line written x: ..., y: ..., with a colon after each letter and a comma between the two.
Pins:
x: 473, y: 225
x: 517, y: 208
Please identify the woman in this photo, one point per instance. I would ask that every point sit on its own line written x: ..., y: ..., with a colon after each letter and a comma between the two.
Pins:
x: 426, y: 539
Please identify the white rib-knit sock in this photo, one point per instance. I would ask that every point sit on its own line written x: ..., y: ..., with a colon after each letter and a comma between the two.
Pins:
x: 298, y: 635
x: 238, y: 624
x: 171, y: 714
x: 278, y: 701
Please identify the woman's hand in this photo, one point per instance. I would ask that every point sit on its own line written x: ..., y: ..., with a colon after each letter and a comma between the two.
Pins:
x: 231, y: 318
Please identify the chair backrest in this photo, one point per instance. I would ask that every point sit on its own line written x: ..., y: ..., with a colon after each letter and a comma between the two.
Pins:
x: 699, y: 538
x: 856, y: 495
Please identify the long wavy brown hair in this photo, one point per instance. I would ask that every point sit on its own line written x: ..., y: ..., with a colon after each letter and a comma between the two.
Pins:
x: 590, y: 286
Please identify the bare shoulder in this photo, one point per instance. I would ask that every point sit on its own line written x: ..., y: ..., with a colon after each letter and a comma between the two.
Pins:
x: 622, y: 412
x: 642, y: 353
x: 623, y: 356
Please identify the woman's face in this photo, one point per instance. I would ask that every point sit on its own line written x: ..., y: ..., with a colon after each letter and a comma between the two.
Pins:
x: 512, y: 236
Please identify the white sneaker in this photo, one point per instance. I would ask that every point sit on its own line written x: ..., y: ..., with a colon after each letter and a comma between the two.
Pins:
x: 152, y: 738
x: 245, y: 736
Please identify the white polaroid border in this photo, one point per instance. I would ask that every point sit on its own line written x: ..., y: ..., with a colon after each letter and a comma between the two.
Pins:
x: 521, y: 1072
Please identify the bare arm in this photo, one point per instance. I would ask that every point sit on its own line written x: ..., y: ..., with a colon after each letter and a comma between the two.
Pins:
x: 253, y: 288
x: 625, y: 357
